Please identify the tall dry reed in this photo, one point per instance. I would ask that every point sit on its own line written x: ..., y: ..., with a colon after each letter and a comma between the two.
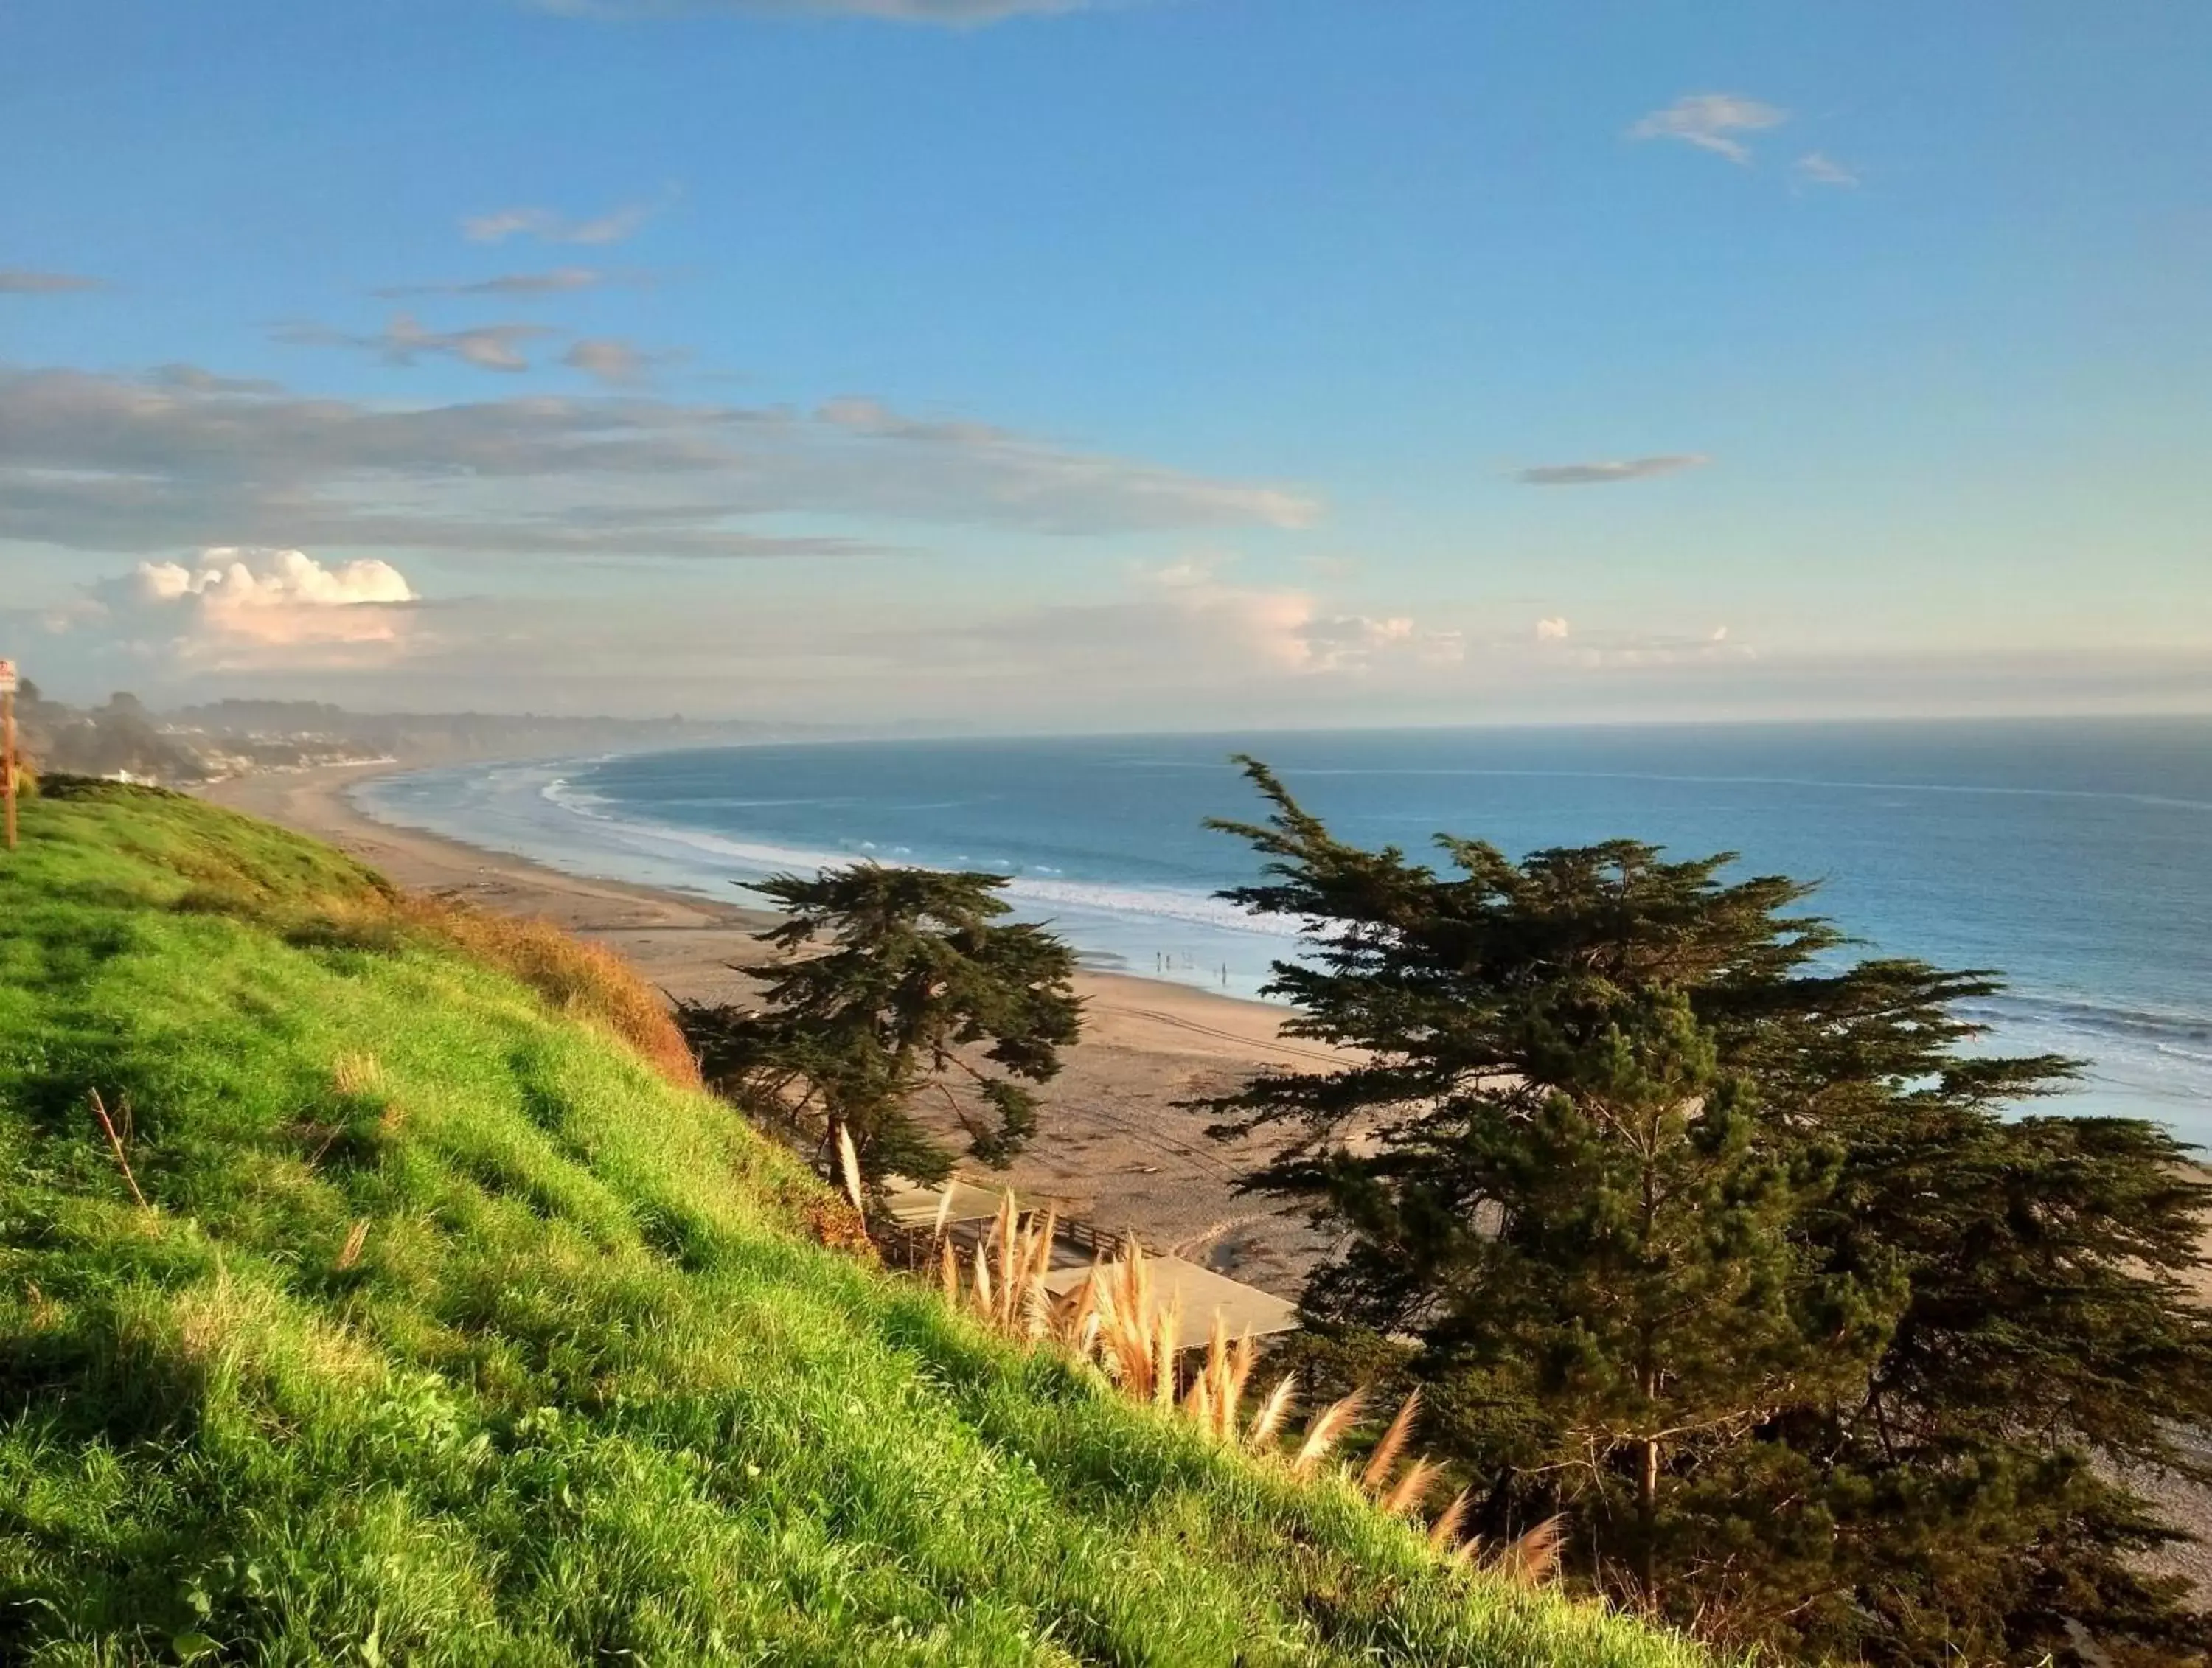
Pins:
x: 1114, y: 1318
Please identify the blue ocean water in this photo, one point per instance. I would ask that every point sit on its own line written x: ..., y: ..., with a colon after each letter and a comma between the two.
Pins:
x: 2076, y: 856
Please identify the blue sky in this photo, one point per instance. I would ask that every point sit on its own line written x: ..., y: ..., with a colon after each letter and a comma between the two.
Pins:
x: 1166, y: 361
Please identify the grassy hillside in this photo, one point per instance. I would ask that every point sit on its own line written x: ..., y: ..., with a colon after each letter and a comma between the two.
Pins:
x: 452, y: 1331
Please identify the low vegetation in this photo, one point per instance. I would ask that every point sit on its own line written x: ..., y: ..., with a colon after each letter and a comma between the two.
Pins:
x: 373, y: 1289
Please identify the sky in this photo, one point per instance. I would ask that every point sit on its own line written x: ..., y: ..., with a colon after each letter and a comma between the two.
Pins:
x: 1102, y: 364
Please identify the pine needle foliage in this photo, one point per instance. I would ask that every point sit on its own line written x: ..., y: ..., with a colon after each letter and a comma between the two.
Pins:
x: 899, y: 981
x: 1732, y: 1250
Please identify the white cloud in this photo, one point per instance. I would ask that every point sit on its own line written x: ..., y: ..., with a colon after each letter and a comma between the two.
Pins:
x: 947, y: 13
x: 1815, y: 168
x: 20, y: 280
x: 548, y: 226
x: 97, y: 462
x: 1358, y: 642
x: 1554, y: 629
x: 488, y: 347
x: 234, y: 607
x: 1611, y: 470
x: 239, y: 578
x: 1707, y: 120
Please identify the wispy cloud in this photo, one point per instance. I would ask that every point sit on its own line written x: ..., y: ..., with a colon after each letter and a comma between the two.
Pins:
x: 21, y: 281
x: 1184, y: 625
x: 1617, y: 649
x: 945, y: 14
x: 191, y: 379
x: 613, y: 361
x: 548, y: 226
x: 1610, y: 470
x: 1815, y: 168
x: 1552, y: 630
x: 561, y: 280
x: 139, y: 465
x: 1708, y: 120
x: 402, y: 342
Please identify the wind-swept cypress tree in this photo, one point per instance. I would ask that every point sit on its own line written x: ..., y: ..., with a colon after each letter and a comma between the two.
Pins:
x: 902, y: 981
x: 1718, y: 1244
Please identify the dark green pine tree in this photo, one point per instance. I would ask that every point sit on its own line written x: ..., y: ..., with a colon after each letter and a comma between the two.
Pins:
x: 1720, y: 1247
x: 901, y: 983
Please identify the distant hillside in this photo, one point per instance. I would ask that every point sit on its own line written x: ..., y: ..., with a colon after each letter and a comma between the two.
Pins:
x: 404, y: 1310
x: 123, y: 736
x: 454, y: 734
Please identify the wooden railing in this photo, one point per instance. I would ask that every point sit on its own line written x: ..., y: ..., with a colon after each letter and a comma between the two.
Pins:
x: 915, y: 1246
x: 1089, y: 1236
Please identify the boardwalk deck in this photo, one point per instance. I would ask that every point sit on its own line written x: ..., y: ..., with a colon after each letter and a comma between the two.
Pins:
x: 1197, y: 1294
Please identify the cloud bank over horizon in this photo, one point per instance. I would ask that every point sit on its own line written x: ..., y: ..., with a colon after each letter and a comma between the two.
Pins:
x: 1185, y: 646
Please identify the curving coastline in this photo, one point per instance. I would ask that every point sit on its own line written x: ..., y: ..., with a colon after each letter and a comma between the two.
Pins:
x: 1114, y: 1143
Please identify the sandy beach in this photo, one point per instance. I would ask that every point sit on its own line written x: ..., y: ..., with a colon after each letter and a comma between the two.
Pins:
x: 1113, y: 1146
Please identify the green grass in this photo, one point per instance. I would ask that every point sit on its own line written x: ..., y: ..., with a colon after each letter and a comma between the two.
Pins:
x: 590, y: 1391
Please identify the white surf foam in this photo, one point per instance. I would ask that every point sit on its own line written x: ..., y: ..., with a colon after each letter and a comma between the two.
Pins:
x: 760, y: 859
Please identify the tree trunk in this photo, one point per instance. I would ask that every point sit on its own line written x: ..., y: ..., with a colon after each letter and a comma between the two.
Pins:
x: 1647, y: 1521
x: 1647, y: 1472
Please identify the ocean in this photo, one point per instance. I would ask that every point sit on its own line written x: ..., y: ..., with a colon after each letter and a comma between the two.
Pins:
x: 2074, y: 856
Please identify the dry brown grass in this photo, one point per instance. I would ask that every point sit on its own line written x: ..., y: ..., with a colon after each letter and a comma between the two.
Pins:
x: 1114, y: 1320
x: 1384, y: 1459
x: 1532, y: 1559
x: 848, y: 1162
x: 115, y: 1145
x: 1445, y: 1533
x: 356, y: 1074
x: 357, y: 1236
x: 1325, y: 1430
x: 1007, y: 1287
x: 834, y: 1222
x: 581, y: 979
x: 1411, y: 1491
x: 44, y: 1309
x: 586, y: 981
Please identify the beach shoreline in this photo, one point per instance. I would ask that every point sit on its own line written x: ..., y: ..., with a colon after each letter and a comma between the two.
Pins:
x: 1113, y: 1145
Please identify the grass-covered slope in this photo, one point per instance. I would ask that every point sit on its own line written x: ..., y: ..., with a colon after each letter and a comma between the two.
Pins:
x: 452, y: 1332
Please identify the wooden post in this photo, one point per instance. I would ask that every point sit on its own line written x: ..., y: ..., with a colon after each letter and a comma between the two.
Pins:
x: 7, y: 742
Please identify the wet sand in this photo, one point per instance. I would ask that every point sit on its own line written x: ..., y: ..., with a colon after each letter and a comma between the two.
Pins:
x: 1113, y: 1146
